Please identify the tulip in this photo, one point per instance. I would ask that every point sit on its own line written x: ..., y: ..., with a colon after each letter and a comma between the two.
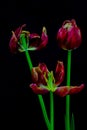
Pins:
x: 44, y: 81
x: 33, y: 40
x: 69, y: 35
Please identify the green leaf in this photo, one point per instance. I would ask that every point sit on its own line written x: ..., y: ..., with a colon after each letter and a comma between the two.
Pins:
x: 72, y: 123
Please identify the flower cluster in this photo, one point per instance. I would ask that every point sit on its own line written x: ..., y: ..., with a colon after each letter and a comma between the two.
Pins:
x: 68, y: 37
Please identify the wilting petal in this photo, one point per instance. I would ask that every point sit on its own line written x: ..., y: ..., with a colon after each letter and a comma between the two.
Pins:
x: 68, y: 90
x: 18, y: 31
x: 59, y: 73
x: 39, y: 90
x: 43, y: 67
x: 34, y: 35
x: 34, y: 41
x: 39, y: 73
x: 13, y: 43
x: 44, y: 39
x: 42, y: 73
x: 37, y: 42
x: 62, y: 91
x: 75, y: 89
x: 34, y: 72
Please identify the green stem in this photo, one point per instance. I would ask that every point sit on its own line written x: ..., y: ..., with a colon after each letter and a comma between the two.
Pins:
x: 28, y: 59
x: 44, y: 111
x: 51, y: 110
x: 39, y: 96
x: 68, y: 96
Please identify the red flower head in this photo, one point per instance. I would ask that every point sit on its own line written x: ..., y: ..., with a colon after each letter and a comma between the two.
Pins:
x: 44, y: 81
x: 33, y: 41
x: 69, y: 35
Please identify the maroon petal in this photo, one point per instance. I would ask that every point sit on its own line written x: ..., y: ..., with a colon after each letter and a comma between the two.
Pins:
x: 43, y: 67
x: 34, y: 73
x: 44, y: 39
x: 74, y: 38
x: 59, y: 73
x: 18, y: 31
x: 38, y: 74
x: 13, y: 43
x: 76, y: 89
x: 73, y: 21
x: 62, y: 91
x: 34, y: 41
x: 34, y: 35
x: 38, y: 90
x: 37, y: 42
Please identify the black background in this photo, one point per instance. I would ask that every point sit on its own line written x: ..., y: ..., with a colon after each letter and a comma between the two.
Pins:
x: 19, y: 106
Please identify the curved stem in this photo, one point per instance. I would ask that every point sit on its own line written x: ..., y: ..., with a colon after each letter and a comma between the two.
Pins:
x: 39, y: 96
x: 68, y: 96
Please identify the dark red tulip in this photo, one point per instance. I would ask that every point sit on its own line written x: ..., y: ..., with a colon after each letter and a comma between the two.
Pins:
x: 44, y: 81
x: 33, y: 40
x: 69, y: 35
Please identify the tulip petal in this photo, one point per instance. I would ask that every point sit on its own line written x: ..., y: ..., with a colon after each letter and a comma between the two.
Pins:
x: 44, y: 39
x: 34, y: 35
x: 19, y: 30
x: 13, y: 43
x: 43, y: 67
x: 62, y: 91
x: 34, y: 40
x: 68, y: 90
x: 76, y: 89
x: 39, y: 74
x: 34, y: 73
x: 39, y: 90
x: 38, y: 42
x: 59, y: 73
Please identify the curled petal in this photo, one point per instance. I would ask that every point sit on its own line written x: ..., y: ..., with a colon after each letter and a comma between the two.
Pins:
x: 65, y: 22
x: 76, y: 89
x: 18, y: 31
x: 34, y: 35
x: 34, y: 41
x: 13, y: 43
x: 44, y: 38
x: 68, y: 90
x: 39, y: 90
x: 39, y: 74
x: 34, y: 72
x: 59, y: 73
x: 62, y: 91
x: 43, y: 67
x: 37, y: 42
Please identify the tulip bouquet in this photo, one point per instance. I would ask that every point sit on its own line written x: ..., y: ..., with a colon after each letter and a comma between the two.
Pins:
x: 43, y: 80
